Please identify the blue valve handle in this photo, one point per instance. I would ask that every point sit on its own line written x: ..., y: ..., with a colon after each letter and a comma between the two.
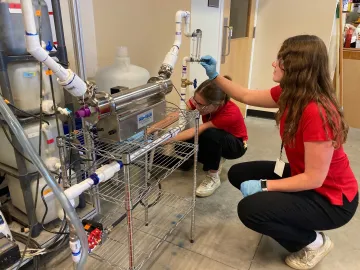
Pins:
x: 49, y: 47
x: 195, y: 83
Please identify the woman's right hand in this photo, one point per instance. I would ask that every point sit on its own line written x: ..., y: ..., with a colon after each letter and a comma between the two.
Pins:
x: 209, y: 63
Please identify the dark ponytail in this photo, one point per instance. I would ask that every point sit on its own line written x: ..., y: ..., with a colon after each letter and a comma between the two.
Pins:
x: 212, y: 93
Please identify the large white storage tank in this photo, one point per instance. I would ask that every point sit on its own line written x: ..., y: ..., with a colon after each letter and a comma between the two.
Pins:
x: 48, y: 143
x: 17, y: 198
x: 121, y: 73
x: 24, y: 80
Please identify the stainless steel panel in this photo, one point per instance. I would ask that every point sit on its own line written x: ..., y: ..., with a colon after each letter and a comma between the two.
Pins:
x: 131, y: 120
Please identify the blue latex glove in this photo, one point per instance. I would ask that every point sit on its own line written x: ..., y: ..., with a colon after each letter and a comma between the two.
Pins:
x: 209, y: 64
x: 250, y: 187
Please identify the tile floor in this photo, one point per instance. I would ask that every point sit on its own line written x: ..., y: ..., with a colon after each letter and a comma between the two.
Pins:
x: 222, y: 242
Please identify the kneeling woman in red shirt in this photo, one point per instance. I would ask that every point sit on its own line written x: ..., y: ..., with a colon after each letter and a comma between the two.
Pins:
x: 223, y: 133
x: 317, y: 190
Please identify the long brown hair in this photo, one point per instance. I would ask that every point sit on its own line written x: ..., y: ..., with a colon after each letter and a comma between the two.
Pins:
x: 305, y: 62
x: 212, y: 93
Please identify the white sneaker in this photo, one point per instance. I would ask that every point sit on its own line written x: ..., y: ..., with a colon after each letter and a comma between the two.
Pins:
x: 208, y: 186
x: 308, y: 258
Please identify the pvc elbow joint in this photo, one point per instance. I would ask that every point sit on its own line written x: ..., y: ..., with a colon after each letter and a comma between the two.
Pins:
x: 73, y: 84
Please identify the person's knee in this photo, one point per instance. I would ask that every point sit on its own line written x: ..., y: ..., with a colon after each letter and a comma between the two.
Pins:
x: 236, y: 173
x: 209, y: 135
x: 247, y: 211
x: 232, y: 176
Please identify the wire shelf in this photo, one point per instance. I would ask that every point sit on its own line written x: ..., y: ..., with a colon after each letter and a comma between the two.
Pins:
x: 166, y: 160
x: 147, y: 169
x: 114, y: 150
x: 164, y: 217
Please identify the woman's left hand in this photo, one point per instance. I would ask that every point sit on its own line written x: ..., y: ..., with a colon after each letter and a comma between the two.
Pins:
x: 250, y: 187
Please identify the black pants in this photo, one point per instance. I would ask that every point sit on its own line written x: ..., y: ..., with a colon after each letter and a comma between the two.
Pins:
x: 216, y: 143
x: 289, y: 218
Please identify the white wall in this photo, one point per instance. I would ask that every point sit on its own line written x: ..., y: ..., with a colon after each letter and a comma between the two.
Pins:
x: 280, y: 19
x: 88, y: 27
x: 89, y: 34
x: 210, y: 21
x: 148, y: 32
x: 147, y: 28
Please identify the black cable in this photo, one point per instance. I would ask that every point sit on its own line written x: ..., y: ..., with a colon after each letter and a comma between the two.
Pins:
x: 25, y: 112
x: 177, y: 91
x: 45, y: 213
x: 62, y: 63
x: 157, y: 198
x: 20, y: 238
x: 32, y: 244
x: 177, y: 107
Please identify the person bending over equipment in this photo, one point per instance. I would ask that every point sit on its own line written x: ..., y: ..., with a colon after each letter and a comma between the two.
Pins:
x: 317, y: 189
x: 223, y: 134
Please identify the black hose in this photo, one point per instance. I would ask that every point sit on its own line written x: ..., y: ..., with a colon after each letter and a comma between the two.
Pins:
x: 45, y: 213
x: 25, y: 112
x: 157, y: 198
x: 32, y: 244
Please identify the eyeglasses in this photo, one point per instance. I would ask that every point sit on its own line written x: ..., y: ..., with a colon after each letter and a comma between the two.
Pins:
x: 199, y: 105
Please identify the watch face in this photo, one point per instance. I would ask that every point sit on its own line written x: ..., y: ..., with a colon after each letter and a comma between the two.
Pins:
x: 263, y: 184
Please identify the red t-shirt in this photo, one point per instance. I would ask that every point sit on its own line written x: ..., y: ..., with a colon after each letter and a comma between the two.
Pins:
x: 228, y: 118
x: 340, y: 178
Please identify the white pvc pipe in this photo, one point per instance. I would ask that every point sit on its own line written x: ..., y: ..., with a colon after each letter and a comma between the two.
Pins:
x: 171, y: 56
x: 68, y: 79
x: 104, y: 173
x: 178, y: 19
x: 185, y: 61
x: 184, y: 76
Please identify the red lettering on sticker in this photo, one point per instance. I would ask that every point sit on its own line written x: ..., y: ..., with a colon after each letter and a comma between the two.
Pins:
x: 14, y: 6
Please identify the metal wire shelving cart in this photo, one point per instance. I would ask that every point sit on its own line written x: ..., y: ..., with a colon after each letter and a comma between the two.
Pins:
x: 145, y: 215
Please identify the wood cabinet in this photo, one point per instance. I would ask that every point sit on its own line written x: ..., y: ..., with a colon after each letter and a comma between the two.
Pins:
x: 351, y: 84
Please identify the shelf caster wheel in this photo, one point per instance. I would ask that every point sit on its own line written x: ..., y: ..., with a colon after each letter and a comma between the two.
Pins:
x: 192, y: 241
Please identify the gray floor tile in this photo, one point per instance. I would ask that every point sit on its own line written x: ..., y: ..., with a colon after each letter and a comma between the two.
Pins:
x: 345, y: 255
x: 219, y: 233
x: 172, y: 257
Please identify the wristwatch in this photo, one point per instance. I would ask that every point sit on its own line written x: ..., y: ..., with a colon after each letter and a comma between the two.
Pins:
x: 263, y: 185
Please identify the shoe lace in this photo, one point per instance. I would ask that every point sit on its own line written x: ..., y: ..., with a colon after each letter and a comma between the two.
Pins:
x: 306, y: 256
x: 207, y: 181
